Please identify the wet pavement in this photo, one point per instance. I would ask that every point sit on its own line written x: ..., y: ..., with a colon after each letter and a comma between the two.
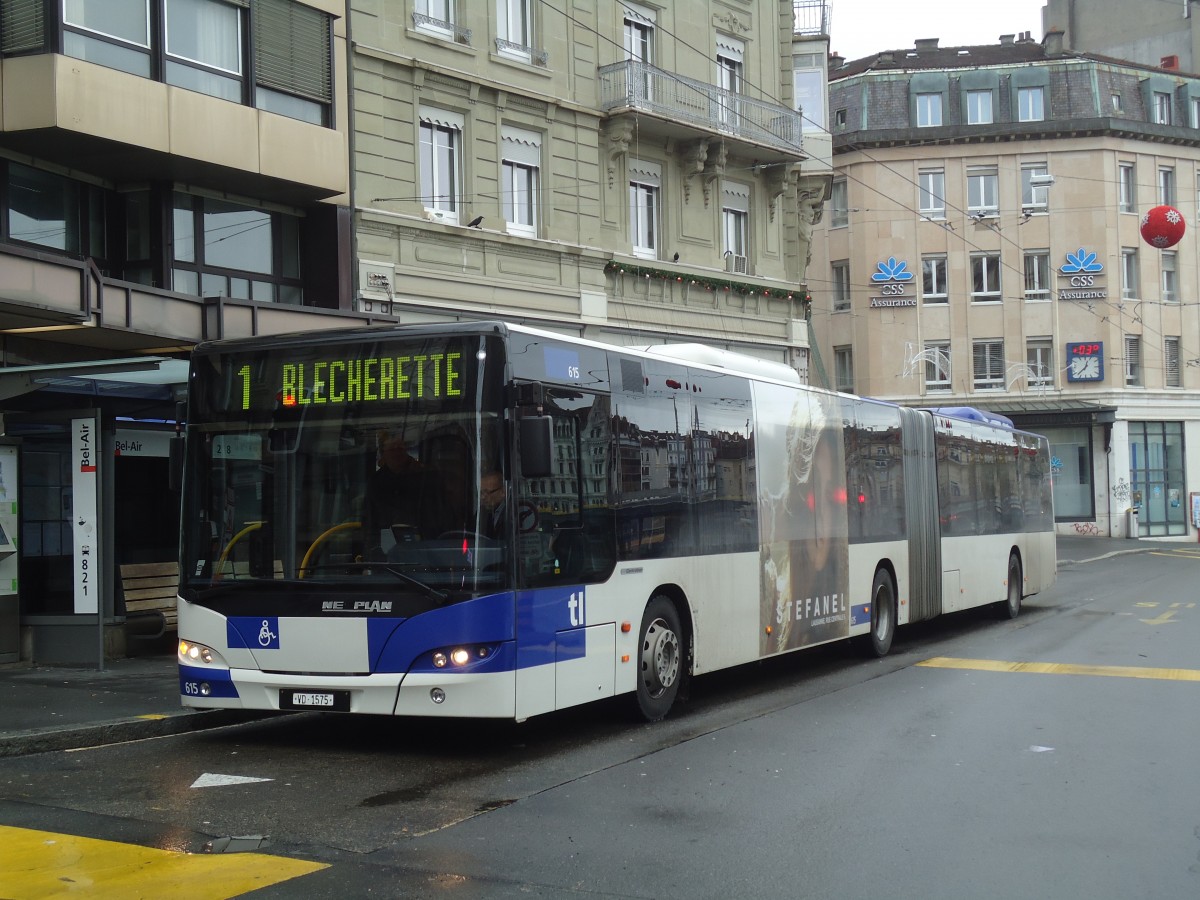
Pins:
x: 46, y: 708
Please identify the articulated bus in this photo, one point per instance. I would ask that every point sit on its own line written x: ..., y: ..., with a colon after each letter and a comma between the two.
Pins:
x: 488, y: 520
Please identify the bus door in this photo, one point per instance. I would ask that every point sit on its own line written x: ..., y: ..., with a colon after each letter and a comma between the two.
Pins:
x: 924, y: 527
x: 565, y: 541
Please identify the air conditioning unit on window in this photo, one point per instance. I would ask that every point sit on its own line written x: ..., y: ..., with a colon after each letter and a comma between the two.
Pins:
x: 734, y: 263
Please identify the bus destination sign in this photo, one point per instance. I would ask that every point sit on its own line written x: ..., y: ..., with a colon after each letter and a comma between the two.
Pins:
x: 420, y: 376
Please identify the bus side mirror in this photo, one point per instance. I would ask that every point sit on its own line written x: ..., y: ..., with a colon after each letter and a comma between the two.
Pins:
x: 175, y: 477
x: 537, y: 446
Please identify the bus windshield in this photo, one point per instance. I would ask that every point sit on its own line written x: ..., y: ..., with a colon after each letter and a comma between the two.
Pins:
x: 348, y: 468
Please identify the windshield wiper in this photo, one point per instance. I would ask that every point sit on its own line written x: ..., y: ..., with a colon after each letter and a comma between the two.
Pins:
x: 424, y: 588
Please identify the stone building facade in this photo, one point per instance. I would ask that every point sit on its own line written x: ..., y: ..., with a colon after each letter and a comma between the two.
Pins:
x: 982, y: 247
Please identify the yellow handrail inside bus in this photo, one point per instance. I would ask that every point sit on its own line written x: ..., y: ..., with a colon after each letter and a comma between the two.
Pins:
x: 252, y: 526
x: 321, y: 538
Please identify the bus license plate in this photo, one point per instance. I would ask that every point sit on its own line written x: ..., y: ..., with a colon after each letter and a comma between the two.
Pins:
x: 313, y: 699
x: 335, y: 700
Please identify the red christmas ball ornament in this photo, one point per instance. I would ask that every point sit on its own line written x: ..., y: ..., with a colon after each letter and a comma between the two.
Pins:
x: 1163, y: 227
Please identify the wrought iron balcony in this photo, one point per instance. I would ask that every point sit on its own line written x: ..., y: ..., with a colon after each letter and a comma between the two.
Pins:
x: 460, y: 34
x: 693, y: 106
x: 535, y: 57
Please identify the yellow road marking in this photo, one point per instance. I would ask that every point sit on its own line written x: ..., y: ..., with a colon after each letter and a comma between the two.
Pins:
x: 996, y: 665
x: 42, y: 864
x: 1161, y: 619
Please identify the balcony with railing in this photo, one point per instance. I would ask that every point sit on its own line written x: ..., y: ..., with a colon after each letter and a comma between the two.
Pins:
x: 811, y: 17
x: 684, y: 107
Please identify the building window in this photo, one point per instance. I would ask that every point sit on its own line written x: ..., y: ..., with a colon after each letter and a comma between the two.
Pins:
x: 1126, y: 188
x: 49, y: 210
x: 514, y: 30
x: 985, y: 277
x: 843, y: 367
x: 1037, y: 275
x: 937, y: 366
x: 929, y: 110
x: 521, y: 157
x: 729, y: 80
x: 841, y: 285
x: 1195, y: 110
x: 435, y: 16
x: 1171, y: 374
x: 1162, y: 108
x: 1031, y: 104
x: 113, y: 33
x: 1170, y: 277
x: 225, y: 249
x: 934, y: 284
x: 983, y: 192
x: 1039, y: 357
x: 933, y: 193
x: 639, y: 48
x: 645, y: 182
x: 979, y: 107
x: 202, y: 45
x: 1166, y: 186
x: 1116, y: 103
x: 1129, y: 273
x: 293, y: 60
x: 1035, y: 198
x: 987, y: 365
x: 839, y: 119
x: 441, y: 163
x: 735, y: 222
x: 839, y: 204
x: 1133, y: 360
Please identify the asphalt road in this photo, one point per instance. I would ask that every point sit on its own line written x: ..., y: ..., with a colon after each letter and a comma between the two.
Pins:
x: 820, y: 775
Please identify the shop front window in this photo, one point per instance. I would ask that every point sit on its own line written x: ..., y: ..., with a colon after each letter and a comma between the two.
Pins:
x: 1071, y: 472
x: 1156, y: 477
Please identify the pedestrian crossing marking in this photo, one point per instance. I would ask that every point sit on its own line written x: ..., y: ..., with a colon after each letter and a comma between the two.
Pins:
x: 1042, y: 668
x: 39, y: 864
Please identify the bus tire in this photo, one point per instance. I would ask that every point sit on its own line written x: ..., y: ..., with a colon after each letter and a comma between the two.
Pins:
x: 878, y: 642
x: 1010, y: 607
x: 660, y: 659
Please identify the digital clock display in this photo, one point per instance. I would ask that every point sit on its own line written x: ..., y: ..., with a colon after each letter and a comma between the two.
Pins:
x: 1085, y: 361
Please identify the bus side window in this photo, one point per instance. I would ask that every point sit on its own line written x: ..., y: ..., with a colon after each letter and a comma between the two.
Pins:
x: 569, y: 533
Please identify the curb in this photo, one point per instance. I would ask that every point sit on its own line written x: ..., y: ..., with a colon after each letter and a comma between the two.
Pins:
x: 118, y: 731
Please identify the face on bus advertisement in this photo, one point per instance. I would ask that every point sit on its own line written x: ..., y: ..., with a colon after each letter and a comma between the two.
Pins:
x: 802, y: 506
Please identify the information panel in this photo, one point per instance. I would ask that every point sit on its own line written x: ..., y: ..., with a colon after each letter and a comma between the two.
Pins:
x: 85, y: 486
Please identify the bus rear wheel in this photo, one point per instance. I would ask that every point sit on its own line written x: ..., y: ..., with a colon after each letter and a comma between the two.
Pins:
x: 878, y: 643
x: 660, y: 659
x: 1010, y: 607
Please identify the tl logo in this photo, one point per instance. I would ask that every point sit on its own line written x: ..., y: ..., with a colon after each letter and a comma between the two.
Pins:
x: 575, y: 605
x: 892, y: 270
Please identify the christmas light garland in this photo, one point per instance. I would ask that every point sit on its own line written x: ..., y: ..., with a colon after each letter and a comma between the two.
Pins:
x: 709, y: 284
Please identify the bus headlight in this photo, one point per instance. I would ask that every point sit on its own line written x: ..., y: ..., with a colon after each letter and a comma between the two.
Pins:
x: 457, y: 657
x: 191, y: 654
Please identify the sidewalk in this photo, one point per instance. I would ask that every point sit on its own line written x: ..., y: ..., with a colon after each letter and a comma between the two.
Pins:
x: 44, y: 708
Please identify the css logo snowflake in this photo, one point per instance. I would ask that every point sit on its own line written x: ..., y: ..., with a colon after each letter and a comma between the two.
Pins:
x: 892, y: 271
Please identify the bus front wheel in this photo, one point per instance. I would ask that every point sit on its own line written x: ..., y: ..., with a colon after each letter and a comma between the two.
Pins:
x: 660, y: 659
x: 1010, y: 607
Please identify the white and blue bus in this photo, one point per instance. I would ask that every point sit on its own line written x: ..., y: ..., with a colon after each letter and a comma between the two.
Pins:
x: 488, y: 520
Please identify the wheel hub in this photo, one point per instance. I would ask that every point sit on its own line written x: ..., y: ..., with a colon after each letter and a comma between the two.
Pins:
x: 660, y: 657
